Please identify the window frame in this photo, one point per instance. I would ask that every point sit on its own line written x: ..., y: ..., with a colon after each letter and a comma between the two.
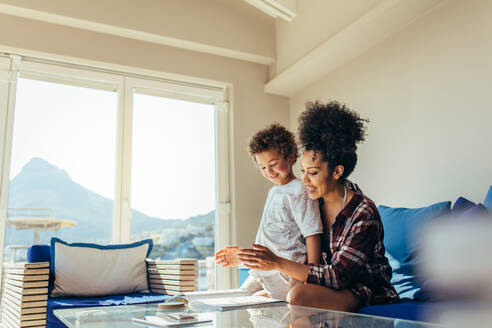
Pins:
x: 8, y: 81
x: 124, y: 83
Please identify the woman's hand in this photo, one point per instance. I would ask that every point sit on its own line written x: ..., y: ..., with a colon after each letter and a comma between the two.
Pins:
x: 263, y: 259
x: 228, y: 256
x: 259, y: 258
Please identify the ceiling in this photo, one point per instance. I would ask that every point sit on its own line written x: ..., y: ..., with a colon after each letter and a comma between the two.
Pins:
x: 324, y: 35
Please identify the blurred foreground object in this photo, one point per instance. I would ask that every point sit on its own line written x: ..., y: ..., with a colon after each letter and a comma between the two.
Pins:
x: 457, y: 263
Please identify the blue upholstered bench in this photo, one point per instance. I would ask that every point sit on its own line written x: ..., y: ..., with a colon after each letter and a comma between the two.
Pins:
x: 41, y: 253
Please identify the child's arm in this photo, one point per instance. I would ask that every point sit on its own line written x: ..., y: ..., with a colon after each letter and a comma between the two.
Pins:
x: 313, y: 246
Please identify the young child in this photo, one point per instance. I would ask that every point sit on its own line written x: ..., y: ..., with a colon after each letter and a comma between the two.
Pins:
x: 290, y: 225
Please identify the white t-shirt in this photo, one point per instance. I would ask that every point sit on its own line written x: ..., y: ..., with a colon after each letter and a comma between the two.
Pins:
x: 288, y: 218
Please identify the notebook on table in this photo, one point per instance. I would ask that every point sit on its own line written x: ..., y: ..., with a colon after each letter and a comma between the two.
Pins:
x: 222, y: 300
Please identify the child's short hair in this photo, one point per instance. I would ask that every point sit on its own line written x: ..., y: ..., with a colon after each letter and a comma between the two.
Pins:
x: 274, y: 136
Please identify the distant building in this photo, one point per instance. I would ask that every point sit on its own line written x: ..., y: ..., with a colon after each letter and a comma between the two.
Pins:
x: 171, y: 235
x: 183, y: 250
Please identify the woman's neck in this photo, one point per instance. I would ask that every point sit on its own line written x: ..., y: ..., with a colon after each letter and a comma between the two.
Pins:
x: 333, y: 203
x: 335, y: 196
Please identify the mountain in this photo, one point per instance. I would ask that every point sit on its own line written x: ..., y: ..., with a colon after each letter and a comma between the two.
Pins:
x: 42, y: 185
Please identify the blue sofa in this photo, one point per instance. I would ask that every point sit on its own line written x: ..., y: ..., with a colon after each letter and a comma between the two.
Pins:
x: 400, y: 224
x: 417, y: 299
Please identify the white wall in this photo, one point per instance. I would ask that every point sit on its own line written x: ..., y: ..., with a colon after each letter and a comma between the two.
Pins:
x: 316, y: 22
x: 427, y: 93
x: 253, y: 109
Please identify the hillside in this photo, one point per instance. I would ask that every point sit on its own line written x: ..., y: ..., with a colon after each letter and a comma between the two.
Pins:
x: 42, y: 185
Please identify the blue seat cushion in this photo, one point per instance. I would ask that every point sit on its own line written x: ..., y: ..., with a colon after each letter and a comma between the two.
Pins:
x: 488, y: 199
x: 66, y: 303
x: 415, y: 311
x: 401, y: 228
x: 404, y: 310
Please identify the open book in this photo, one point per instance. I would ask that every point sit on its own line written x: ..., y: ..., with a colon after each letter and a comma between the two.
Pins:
x: 221, y: 300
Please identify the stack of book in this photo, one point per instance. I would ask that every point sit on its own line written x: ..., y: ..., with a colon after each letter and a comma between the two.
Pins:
x: 25, y: 295
x: 172, y: 277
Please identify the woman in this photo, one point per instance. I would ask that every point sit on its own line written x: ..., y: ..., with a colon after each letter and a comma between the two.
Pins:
x: 354, y: 271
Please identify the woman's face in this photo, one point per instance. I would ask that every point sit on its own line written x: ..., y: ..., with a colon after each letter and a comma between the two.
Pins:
x: 316, y: 175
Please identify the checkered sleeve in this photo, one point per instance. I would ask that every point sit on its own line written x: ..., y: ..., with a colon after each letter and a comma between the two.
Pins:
x: 349, y: 258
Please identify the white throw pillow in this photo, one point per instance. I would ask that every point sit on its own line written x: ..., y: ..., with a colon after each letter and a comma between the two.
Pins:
x: 85, y: 270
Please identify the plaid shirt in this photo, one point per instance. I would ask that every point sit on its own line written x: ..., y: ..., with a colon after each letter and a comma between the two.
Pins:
x: 354, y: 257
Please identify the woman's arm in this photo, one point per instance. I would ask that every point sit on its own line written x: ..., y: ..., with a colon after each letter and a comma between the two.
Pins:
x: 293, y: 269
x: 262, y: 258
x: 347, y: 261
x: 313, y: 247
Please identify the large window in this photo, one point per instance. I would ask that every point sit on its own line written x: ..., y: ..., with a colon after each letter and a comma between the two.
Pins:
x: 62, y: 165
x: 100, y: 157
x: 173, y: 176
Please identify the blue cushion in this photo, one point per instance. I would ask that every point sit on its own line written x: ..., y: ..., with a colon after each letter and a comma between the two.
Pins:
x: 41, y: 253
x: 488, y: 199
x: 65, y: 303
x: 403, y: 278
x: 38, y: 253
x: 463, y: 209
x: 401, y: 226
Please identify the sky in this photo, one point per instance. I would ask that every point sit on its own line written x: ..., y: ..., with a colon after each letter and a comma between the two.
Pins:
x: 74, y: 128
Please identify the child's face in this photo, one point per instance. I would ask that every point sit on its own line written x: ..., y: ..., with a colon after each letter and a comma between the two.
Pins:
x: 275, y: 167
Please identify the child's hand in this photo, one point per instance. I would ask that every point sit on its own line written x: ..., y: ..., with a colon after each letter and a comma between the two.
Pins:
x: 227, y: 256
x: 263, y: 293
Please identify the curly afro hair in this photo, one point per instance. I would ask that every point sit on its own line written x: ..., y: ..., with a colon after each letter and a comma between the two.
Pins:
x: 332, y: 130
x: 274, y: 136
